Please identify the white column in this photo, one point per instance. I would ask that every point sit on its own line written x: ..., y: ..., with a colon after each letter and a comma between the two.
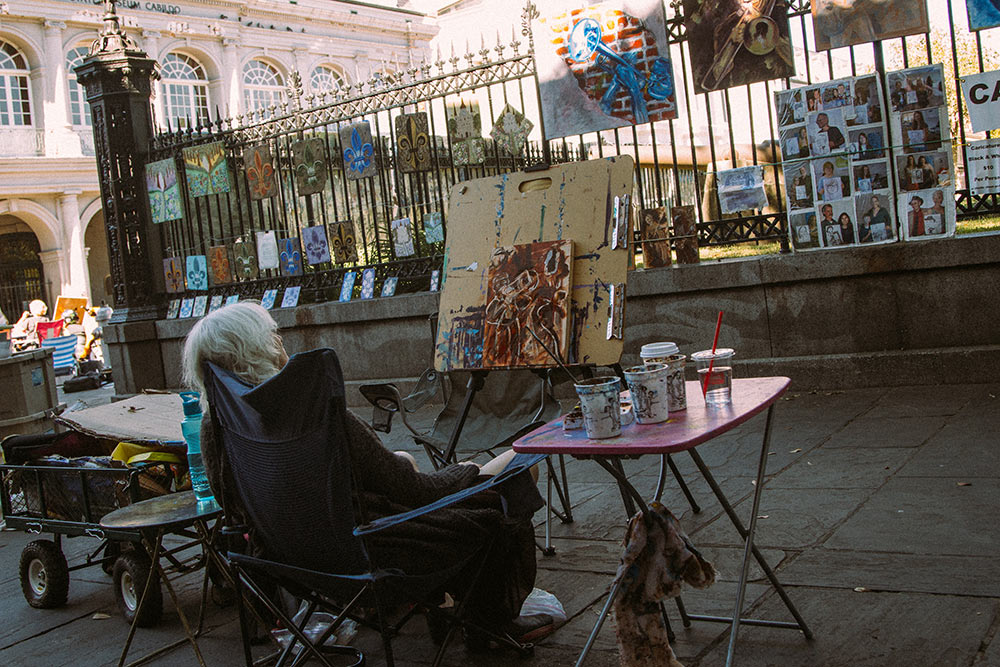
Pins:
x: 151, y: 45
x: 231, y: 76
x: 77, y: 282
x: 52, y: 269
x: 60, y: 140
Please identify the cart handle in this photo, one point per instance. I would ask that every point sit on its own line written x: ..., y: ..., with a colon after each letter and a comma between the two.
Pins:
x: 96, y: 533
x: 33, y: 528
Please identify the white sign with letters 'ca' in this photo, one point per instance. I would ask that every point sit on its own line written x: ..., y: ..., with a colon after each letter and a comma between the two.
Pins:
x: 982, y: 97
x: 983, y: 161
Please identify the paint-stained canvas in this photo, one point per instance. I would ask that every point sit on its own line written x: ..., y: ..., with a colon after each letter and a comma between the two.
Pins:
x: 511, y: 130
x: 164, y: 193
x: 244, y: 260
x: 527, y: 290
x: 655, y: 237
x: 173, y: 275
x: 358, y: 151
x: 413, y: 145
x: 218, y: 258
x: 316, y: 245
x: 343, y: 242
x: 838, y: 23
x: 260, y: 172
x: 465, y: 129
x: 309, y: 164
x: 206, y: 169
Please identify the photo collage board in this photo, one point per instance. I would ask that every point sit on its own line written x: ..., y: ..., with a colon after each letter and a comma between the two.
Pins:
x: 835, y: 150
x: 921, y: 139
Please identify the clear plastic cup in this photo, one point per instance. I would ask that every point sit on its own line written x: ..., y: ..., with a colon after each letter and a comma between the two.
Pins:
x: 648, y: 386
x: 717, y: 385
x: 600, y: 406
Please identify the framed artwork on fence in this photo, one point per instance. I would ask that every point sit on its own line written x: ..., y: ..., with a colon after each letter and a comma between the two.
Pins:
x: 358, y: 150
x: 655, y: 237
x: 316, y: 245
x: 309, y: 165
x: 267, y: 250
x: 402, y: 237
x: 983, y: 14
x: 291, y: 257
x: 219, y: 259
x: 839, y: 23
x: 465, y: 129
x: 685, y: 236
x: 511, y: 130
x: 343, y: 242
x: 260, y: 172
x: 206, y: 169
x: 163, y: 190
x: 197, y: 272
x: 244, y: 260
x: 413, y: 145
x: 173, y: 275
x: 433, y: 227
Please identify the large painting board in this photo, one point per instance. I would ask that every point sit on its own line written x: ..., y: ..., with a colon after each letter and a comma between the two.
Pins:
x: 568, y: 202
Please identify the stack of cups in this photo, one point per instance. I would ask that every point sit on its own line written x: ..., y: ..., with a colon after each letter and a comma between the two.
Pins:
x: 669, y: 355
x: 601, y: 407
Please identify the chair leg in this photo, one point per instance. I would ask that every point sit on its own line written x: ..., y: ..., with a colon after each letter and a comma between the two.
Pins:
x: 245, y: 629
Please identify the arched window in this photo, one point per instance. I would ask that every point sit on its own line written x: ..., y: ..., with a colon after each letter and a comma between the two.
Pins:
x: 15, y: 96
x: 79, y: 110
x: 185, y: 88
x: 326, y: 79
x: 262, y: 85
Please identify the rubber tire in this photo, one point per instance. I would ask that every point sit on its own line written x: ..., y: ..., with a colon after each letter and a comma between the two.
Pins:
x: 54, y: 589
x: 111, y: 552
x: 136, y: 567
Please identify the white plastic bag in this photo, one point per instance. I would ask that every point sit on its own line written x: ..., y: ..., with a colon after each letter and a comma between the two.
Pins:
x: 318, y: 623
x: 543, y: 602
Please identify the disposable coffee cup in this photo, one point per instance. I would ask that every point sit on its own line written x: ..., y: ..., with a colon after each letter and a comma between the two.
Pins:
x: 648, y: 386
x: 668, y: 353
x: 715, y: 375
x: 600, y: 406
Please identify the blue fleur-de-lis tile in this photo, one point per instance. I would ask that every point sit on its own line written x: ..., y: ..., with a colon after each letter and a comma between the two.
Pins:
x: 174, y: 309
x: 197, y: 272
x: 187, y: 305
x: 291, y: 257
x: 200, y: 305
x: 215, y: 303
x: 389, y: 286
x: 368, y: 284
x: 290, y: 298
x: 435, y: 280
x: 315, y: 242
x: 358, y: 151
x: 347, y: 289
x: 267, y: 301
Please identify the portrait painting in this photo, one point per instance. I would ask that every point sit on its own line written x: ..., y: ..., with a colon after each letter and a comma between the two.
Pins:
x: 685, y: 228
x: 465, y: 129
x: 741, y: 42
x: 173, y: 275
x: 413, y: 145
x: 218, y: 259
x: 316, y: 246
x: 604, y: 66
x: 655, y: 237
x: 259, y: 167
x: 244, y: 260
x: 983, y: 14
x: 309, y: 165
x: 291, y: 257
x: 839, y: 23
x: 206, y: 169
x: 511, y: 130
x: 528, y: 290
x: 343, y: 242
x: 402, y: 237
x: 358, y: 151
x: 803, y: 231
x: 197, y: 272
x: 163, y: 190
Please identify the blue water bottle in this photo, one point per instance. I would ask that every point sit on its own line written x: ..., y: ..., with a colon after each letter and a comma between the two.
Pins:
x: 191, y: 427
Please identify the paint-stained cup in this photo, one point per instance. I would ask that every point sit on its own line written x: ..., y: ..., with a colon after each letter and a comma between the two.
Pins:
x: 648, y: 386
x: 668, y: 353
x: 601, y: 407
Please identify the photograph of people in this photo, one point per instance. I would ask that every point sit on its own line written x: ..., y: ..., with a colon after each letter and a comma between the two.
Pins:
x: 829, y: 227
x: 803, y: 230
x: 835, y: 96
x: 910, y: 176
x: 865, y: 230
x: 867, y: 144
x: 934, y: 217
x: 800, y: 193
x: 930, y: 175
x: 915, y: 217
x: 831, y: 181
x: 918, y: 135
x: 791, y: 107
x: 795, y: 143
x: 846, y: 229
x: 827, y: 133
x: 943, y: 173
x: 916, y: 88
x: 814, y: 99
x: 878, y: 215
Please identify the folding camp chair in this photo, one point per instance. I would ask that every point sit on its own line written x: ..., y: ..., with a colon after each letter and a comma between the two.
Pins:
x: 290, y: 463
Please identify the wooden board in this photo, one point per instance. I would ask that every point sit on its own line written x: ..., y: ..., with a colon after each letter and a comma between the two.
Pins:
x: 567, y: 202
x: 146, y: 419
x: 63, y: 303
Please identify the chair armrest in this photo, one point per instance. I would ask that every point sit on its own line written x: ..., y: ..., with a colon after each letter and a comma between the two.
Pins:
x: 386, y: 402
x: 519, y: 464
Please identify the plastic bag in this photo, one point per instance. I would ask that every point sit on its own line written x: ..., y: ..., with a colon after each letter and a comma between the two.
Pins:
x: 543, y: 602
x: 318, y: 623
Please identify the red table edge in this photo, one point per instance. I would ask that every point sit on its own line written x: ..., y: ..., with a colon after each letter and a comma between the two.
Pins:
x: 581, y: 446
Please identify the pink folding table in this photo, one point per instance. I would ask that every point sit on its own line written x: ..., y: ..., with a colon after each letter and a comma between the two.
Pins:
x: 684, y: 431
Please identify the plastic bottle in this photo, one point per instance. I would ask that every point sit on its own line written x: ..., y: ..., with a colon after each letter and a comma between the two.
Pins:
x: 191, y: 427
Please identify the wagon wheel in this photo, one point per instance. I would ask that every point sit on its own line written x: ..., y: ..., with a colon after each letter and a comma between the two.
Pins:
x: 131, y: 571
x: 44, y: 575
x: 111, y: 552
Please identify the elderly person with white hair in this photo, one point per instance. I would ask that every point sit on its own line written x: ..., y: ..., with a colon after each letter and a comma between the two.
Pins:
x: 244, y: 339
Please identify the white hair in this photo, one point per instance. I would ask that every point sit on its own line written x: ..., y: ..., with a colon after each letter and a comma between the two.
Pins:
x: 242, y: 338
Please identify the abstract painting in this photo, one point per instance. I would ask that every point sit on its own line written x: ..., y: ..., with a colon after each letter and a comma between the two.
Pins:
x: 528, y: 290
x: 173, y: 275
x: 838, y: 23
x: 358, y: 151
x: 347, y: 287
x: 343, y: 242
x: 317, y: 247
x: 402, y: 237
x: 389, y: 286
x: 267, y: 301
x: 604, y: 66
x: 197, y: 272
x: 413, y: 146
x: 742, y: 42
x: 685, y: 234
x: 433, y: 227
x: 511, y: 130
x: 164, y: 193
x: 218, y: 258
x: 267, y: 250
x: 465, y: 129
x: 291, y: 257
x: 260, y: 172
x: 655, y: 237
x: 309, y: 165
x: 206, y: 169
x: 983, y: 14
x: 245, y: 260
x: 368, y: 284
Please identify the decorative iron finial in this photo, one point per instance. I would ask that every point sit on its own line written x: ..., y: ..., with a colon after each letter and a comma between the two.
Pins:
x: 113, y: 36
x: 529, y: 13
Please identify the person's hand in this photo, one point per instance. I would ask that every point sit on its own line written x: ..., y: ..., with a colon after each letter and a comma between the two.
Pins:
x: 470, y: 463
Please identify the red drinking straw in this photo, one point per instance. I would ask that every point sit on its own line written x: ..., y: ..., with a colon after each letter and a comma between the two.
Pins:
x: 711, y: 362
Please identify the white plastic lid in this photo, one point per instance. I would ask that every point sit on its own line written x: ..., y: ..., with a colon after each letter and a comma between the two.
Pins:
x: 653, y: 350
x: 705, y: 355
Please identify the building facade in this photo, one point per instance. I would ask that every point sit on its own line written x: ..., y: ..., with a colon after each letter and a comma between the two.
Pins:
x: 218, y: 58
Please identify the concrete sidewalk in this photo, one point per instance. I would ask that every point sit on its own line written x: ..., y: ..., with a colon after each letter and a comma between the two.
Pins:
x: 879, y: 514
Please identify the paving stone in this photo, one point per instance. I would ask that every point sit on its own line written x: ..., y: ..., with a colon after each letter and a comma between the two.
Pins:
x: 888, y: 432
x: 963, y: 449
x: 922, y: 401
x: 842, y: 468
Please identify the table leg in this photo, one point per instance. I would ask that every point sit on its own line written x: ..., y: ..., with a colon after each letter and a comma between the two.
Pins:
x: 180, y: 612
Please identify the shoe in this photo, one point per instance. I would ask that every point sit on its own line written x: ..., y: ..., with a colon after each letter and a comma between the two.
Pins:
x: 527, y: 629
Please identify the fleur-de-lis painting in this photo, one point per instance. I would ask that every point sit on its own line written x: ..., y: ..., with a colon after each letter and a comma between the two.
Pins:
x: 245, y: 260
x: 359, y: 153
x: 173, y: 309
x: 368, y: 283
x: 187, y: 305
x: 206, y: 169
x: 342, y: 240
x: 219, y: 259
x: 465, y: 128
x: 291, y: 257
x: 433, y: 227
x: 347, y: 287
x: 389, y: 286
x: 260, y: 172
x: 164, y: 193
x: 402, y: 237
x: 197, y: 272
x: 309, y: 165
x: 413, y: 146
x: 511, y: 130
x: 173, y: 276
x: 315, y: 243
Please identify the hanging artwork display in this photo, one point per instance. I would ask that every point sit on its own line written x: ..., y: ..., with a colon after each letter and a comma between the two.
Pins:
x: 232, y: 298
x: 603, y: 66
x: 260, y: 172
x: 173, y: 309
x: 244, y: 260
x: 685, y: 228
x: 741, y: 189
x: 402, y: 237
x: 309, y: 165
x: 218, y: 258
x: 187, y: 306
x: 837, y: 185
x: 528, y: 290
x: 838, y: 23
x: 164, y: 193
x: 982, y: 99
x: 655, y: 237
x: 511, y: 130
x: 316, y: 245
x: 465, y: 129
x: 267, y: 301
x: 982, y: 14
x: 206, y: 169
x: 921, y: 140
x: 741, y: 42
x: 343, y: 242
x: 291, y: 257
x: 290, y: 298
x: 433, y: 227
x: 200, y: 305
x: 197, y: 272
x: 413, y: 145
x: 435, y: 280
x: 173, y: 275
x: 215, y: 303
x: 358, y: 150
x: 347, y: 287
x: 389, y: 286
x: 267, y: 250
x: 368, y: 284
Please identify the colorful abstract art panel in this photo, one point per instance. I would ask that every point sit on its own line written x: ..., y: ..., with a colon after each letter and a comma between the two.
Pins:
x: 413, y: 145
x: 164, y: 193
x: 343, y: 242
x: 433, y: 227
x: 655, y: 238
x: 260, y: 172
x: 465, y: 129
x: 244, y: 260
x: 218, y: 258
x: 173, y: 275
x: 316, y: 245
x: 291, y: 257
x: 527, y: 296
x: 358, y: 151
x: 309, y: 165
x: 206, y: 169
x: 402, y: 237
x: 197, y: 272
x: 511, y: 130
